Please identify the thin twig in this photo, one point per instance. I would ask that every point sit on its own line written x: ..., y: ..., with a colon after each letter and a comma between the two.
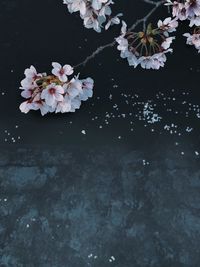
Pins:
x: 96, y: 52
x: 142, y: 20
x: 150, y: 2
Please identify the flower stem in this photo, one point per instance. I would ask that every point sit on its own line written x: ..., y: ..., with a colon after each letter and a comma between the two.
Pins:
x: 134, y: 25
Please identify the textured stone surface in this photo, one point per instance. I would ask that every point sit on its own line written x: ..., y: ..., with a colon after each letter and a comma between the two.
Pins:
x: 80, y: 208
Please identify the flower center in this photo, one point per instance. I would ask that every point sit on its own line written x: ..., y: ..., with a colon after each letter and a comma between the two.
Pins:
x: 62, y: 72
x: 146, y: 43
x: 52, y: 91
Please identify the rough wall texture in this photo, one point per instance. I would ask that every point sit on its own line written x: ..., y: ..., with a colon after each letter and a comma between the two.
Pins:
x: 98, y: 208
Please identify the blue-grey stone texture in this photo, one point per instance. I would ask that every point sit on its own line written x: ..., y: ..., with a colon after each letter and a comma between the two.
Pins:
x: 71, y: 207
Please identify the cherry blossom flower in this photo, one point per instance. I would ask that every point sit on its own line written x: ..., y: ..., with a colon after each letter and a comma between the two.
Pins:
x: 62, y: 72
x: 73, y: 88
x: 87, y: 89
x: 54, y: 93
x: 31, y: 75
x: 186, y: 10
x: 195, y: 21
x: 113, y: 20
x: 64, y: 105
x: 97, y: 4
x: 90, y: 22
x: 43, y: 107
x: 148, y: 48
x: 60, y: 93
x: 94, y: 13
x: 192, y: 8
x: 178, y: 9
x: 194, y: 39
x: 75, y: 104
x: 168, y: 25
x: 26, y: 106
x: 166, y: 44
x: 27, y: 93
x: 76, y: 5
x: 153, y: 62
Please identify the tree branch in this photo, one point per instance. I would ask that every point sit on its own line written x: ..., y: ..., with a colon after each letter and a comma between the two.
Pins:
x: 150, y: 2
x: 144, y: 20
x: 139, y: 21
x: 96, y: 52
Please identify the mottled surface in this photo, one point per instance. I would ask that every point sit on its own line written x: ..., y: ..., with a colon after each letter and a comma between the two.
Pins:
x: 126, y: 193
x: 98, y: 207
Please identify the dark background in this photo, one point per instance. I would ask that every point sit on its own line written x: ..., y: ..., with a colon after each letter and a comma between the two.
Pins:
x: 128, y: 188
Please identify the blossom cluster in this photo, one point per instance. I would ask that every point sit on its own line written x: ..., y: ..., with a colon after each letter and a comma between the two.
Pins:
x: 188, y: 10
x: 95, y: 13
x: 147, y: 48
x: 56, y: 92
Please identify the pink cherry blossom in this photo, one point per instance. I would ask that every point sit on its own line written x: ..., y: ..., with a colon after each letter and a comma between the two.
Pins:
x: 43, y: 107
x: 186, y: 10
x: 62, y: 72
x: 166, y: 44
x: 87, y: 89
x: 26, y: 106
x: 95, y: 13
x: 193, y: 39
x: 27, y: 93
x: 31, y: 73
x: 192, y: 8
x: 168, y: 25
x: 49, y: 94
x: 52, y: 94
x: 148, y: 48
x: 76, y: 5
x: 73, y: 88
x: 153, y: 62
x: 64, y: 105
